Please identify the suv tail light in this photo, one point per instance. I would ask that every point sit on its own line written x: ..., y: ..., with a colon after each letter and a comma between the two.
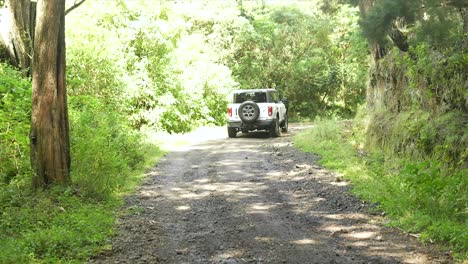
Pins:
x: 270, y: 110
x: 230, y: 111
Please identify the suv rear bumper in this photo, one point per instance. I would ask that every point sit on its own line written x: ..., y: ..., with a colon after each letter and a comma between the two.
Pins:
x: 259, y: 124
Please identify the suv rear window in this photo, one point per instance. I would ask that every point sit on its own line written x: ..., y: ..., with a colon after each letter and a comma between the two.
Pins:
x: 257, y: 97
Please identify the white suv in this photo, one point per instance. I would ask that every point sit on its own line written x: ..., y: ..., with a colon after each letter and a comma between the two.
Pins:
x: 258, y: 109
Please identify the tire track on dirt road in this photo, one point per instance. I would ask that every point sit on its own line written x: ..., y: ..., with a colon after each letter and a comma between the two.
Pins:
x: 253, y: 199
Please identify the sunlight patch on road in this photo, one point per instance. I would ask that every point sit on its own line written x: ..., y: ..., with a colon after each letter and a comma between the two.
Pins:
x: 363, y: 244
x: 304, y: 241
x: 240, y: 188
x: 149, y: 193
x: 202, y: 189
x: 396, y: 252
x: 208, y: 187
x: 193, y: 195
x: 260, y: 208
x: 345, y: 216
x: 319, y: 199
x: 204, y: 180
x: 183, y: 208
x: 337, y: 228
x: 274, y: 176
x: 181, y: 142
x: 281, y: 144
x: 361, y: 235
x: 265, y: 239
x: 341, y: 183
x: 295, y: 174
x: 230, y: 253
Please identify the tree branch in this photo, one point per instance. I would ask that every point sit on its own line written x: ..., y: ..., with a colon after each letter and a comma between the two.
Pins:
x: 75, y: 5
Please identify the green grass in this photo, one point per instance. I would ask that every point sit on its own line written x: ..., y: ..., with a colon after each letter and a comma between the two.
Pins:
x: 414, y: 194
x: 66, y: 224
x: 54, y: 226
x: 61, y: 225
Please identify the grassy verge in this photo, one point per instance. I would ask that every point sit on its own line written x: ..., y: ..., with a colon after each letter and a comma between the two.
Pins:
x: 414, y: 194
x: 66, y: 224
x: 62, y: 225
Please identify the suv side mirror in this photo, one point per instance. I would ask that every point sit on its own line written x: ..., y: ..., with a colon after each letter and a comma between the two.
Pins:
x: 285, y: 101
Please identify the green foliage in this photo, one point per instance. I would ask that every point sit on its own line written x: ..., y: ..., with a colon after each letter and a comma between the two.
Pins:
x: 430, y: 21
x: 108, y: 156
x: 419, y: 195
x: 68, y: 224
x: 437, y: 79
x: 54, y: 226
x: 158, y: 64
x: 84, y: 78
x: 441, y: 27
x: 415, y: 124
x: 15, y: 104
x: 134, y: 65
x: 72, y: 224
x: 173, y: 68
x: 379, y: 22
x: 307, y: 57
x: 418, y: 135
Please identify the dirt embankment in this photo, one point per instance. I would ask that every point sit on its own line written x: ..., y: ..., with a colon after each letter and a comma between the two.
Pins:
x: 253, y: 199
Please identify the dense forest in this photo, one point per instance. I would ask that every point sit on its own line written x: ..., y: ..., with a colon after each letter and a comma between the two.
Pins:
x: 395, y: 69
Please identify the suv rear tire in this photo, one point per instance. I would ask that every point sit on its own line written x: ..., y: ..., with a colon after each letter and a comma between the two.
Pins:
x: 249, y: 112
x: 275, y: 129
x: 284, y: 127
x: 232, y: 132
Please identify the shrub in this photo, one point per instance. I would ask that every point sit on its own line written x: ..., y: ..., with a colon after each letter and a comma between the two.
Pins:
x: 104, y: 148
x: 15, y: 109
x: 70, y: 224
x: 418, y: 135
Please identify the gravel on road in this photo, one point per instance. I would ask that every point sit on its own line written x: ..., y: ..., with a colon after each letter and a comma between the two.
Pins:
x: 253, y: 199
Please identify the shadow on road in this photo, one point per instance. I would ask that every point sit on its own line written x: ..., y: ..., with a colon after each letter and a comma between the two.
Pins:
x: 252, y: 199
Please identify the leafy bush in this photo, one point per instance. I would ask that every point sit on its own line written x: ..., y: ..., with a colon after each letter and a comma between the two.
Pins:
x: 65, y: 224
x: 418, y: 135
x: 104, y: 148
x: 15, y: 104
x: 71, y: 224
x: 436, y: 79
x: 84, y: 78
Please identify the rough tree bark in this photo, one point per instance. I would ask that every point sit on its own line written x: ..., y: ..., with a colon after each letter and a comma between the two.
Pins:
x: 50, y: 147
x: 17, y: 32
x: 17, y: 41
x: 376, y: 50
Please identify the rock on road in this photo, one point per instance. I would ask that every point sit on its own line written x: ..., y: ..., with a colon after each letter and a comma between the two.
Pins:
x: 252, y: 199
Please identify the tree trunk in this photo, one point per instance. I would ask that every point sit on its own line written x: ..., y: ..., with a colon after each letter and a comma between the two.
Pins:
x: 17, y: 41
x: 376, y: 50
x: 50, y: 147
x: 386, y: 84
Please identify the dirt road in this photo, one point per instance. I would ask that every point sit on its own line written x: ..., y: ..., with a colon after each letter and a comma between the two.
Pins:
x: 252, y: 199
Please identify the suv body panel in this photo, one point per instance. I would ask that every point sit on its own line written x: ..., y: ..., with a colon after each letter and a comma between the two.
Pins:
x: 264, y: 99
